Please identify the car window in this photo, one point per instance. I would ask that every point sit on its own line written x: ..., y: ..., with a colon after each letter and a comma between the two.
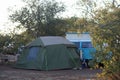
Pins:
x: 87, y: 45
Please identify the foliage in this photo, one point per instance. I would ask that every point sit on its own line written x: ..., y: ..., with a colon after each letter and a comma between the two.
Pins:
x: 39, y: 17
x: 9, y: 44
x: 105, y: 30
x: 75, y: 24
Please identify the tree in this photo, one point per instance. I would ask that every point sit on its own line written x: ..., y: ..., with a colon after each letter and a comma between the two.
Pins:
x: 108, y: 32
x: 39, y: 16
x: 74, y: 24
x: 105, y: 30
x: 5, y: 44
x: 10, y: 43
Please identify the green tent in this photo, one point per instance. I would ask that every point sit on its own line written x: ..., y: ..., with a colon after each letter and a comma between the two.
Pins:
x: 48, y: 53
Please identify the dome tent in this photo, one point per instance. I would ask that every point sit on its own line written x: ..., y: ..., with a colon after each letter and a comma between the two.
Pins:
x: 48, y: 53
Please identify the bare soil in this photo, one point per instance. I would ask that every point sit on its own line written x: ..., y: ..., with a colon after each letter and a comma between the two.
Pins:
x: 7, y: 72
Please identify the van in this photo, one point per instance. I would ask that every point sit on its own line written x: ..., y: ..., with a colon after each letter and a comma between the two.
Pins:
x: 83, y: 42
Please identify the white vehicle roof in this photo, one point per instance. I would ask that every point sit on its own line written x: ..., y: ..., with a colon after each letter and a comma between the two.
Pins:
x: 77, y: 37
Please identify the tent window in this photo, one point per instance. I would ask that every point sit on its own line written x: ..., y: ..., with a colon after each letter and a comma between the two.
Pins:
x: 33, y: 53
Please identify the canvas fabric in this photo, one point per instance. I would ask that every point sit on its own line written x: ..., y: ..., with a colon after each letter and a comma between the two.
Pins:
x: 50, y: 57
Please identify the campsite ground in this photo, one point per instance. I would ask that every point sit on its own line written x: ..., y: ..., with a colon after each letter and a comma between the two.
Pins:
x: 10, y: 73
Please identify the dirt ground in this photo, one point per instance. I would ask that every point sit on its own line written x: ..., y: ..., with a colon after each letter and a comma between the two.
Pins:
x: 10, y: 73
